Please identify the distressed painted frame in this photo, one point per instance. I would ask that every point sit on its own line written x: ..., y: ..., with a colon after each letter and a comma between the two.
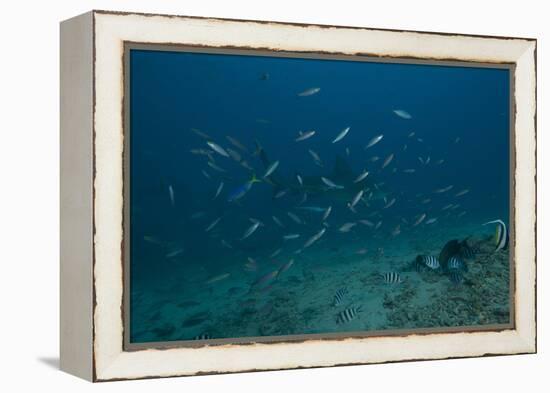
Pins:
x: 92, y: 194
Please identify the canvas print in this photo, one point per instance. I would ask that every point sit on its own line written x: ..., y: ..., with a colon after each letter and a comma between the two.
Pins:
x: 275, y: 196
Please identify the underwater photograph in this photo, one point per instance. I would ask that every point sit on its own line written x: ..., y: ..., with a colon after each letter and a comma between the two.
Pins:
x: 278, y: 195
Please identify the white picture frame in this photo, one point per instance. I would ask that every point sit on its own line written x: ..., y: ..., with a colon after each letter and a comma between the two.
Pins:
x: 92, y: 195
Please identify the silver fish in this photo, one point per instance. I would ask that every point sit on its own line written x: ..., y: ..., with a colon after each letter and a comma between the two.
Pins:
x: 327, y: 213
x: 367, y: 223
x: 431, y: 220
x: 201, y: 133
x: 374, y: 141
x: 201, y: 152
x: 205, y: 173
x: 361, y: 177
x: 463, y: 192
x: 419, y: 219
x: 300, y: 180
x: 234, y: 155
x: 217, y: 278
x: 171, y: 194
x: 387, y: 161
x: 295, y: 218
x: 280, y: 194
x: 315, y: 209
x: 217, y: 148
x: 390, y: 203
x: 402, y: 114
x: 215, y: 167
x: 220, y: 187
x: 285, y: 267
x: 226, y: 244
x: 330, y: 183
x: 213, y: 224
x: 251, y: 265
x: 356, y: 199
x: 314, y: 238
x: 309, y: 92
x: 271, y: 169
x: 174, y: 253
x: 246, y: 165
x: 302, y: 136
x: 291, y: 236
x: 275, y: 253
x: 278, y: 222
x: 315, y: 156
x: 442, y: 190
x: 347, y: 227
x: 341, y: 135
x: 237, y: 144
x: 409, y: 170
x: 251, y: 230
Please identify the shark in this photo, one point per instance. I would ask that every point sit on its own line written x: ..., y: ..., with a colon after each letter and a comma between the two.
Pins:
x: 314, y: 186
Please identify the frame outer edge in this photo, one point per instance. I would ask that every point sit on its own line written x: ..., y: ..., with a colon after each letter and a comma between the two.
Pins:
x: 76, y: 196
x: 526, y: 130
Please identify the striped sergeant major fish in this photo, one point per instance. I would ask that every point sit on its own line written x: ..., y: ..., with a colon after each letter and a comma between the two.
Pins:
x: 429, y: 261
x: 203, y: 336
x: 466, y: 251
x: 501, y: 235
x: 348, y: 315
x: 456, y: 277
x: 339, y: 297
x: 455, y: 263
x: 392, y: 278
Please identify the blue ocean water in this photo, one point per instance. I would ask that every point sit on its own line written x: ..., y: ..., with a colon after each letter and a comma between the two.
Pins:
x: 440, y: 171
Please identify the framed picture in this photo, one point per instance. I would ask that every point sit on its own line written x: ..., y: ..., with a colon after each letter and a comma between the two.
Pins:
x: 246, y: 195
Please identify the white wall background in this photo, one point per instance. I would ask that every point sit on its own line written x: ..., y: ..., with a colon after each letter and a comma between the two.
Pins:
x: 29, y: 195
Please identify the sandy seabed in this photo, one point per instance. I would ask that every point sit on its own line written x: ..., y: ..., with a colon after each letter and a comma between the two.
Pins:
x: 300, y: 300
